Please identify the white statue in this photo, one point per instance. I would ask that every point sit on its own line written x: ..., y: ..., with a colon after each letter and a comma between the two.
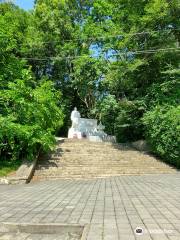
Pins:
x: 87, y: 128
x: 75, y: 116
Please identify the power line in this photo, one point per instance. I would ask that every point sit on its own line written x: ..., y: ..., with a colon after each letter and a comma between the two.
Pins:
x: 105, y: 37
x: 155, y: 50
x: 148, y: 51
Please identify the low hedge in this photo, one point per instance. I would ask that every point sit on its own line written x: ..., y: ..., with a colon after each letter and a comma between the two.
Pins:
x: 162, y: 129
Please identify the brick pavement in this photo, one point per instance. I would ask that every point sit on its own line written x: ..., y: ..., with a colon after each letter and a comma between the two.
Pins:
x: 113, y: 207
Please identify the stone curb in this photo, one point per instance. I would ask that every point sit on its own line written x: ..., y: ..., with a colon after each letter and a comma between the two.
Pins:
x: 141, y: 145
x: 23, y: 174
x: 44, y: 228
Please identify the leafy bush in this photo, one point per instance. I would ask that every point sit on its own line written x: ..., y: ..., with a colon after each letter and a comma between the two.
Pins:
x: 167, y: 92
x: 29, y: 117
x: 128, y: 124
x: 163, y: 132
x: 108, y: 111
x: 123, y: 118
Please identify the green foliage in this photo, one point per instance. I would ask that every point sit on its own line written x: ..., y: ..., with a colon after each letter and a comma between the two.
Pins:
x: 13, y: 24
x: 163, y: 132
x: 107, y: 111
x: 7, y: 167
x: 86, y: 79
x: 30, y: 111
x: 29, y: 119
x: 128, y: 125
x: 144, y: 79
x: 123, y: 118
x: 69, y: 42
x: 167, y: 92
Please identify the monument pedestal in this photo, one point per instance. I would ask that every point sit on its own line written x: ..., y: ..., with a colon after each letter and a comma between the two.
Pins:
x: 88, y: 128
x: 73, y: 133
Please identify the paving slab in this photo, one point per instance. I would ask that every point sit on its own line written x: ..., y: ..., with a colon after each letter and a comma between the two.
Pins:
x: 40, y: 231
x: 21, y: 236
x: 113, y: 207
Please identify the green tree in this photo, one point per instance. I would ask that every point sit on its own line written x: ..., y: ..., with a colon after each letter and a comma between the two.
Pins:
x: 30, y: 111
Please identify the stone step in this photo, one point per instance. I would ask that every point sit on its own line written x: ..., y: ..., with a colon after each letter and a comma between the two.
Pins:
x: 92, y: 144
x: 95, y: 153
x: 98, y: 175
x: 102, y: 164
x: 84, y: 141
x: 105, y: 164
x: 82, y: 159
x: 89, y: 144
x: 112, y: 156
x: 84, y: 146
x: 99, y: 159
x: 86, y: 161
x: 103, y: 156
x: 103, y: 160
x: 76, y: 177
x: 99, y: 171
x: 102, y: 167
x: 61, y: 172
x: 102, y: 175
x: 69, y: 169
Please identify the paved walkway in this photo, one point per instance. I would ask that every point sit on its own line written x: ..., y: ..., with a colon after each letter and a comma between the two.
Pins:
x: 114, y: 207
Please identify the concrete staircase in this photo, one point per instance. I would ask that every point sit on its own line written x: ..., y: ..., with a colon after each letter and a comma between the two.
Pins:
x: 84, y: 159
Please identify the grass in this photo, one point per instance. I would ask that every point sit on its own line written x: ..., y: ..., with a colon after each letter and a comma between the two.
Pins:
x: 6, y: 167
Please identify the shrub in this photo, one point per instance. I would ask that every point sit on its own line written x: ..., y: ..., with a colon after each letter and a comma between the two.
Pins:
x: 128, y: 125
x: 108, y: 109
x: 163, y: 132
x: 123, y: 118
x: 28, y: 120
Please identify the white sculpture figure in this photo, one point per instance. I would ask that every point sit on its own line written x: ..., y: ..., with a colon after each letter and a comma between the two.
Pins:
x: 87, y: 128
x: 74, y: 131
x: 75, y: 116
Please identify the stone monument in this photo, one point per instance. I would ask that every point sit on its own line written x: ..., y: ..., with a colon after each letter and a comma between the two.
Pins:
x: 87, y: 128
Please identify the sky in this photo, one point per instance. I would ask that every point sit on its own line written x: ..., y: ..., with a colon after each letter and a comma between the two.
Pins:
x: 25, y: 4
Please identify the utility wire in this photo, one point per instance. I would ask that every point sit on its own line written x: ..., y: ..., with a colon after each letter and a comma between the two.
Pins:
x: 104, y: 37
x: 110, y: 55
